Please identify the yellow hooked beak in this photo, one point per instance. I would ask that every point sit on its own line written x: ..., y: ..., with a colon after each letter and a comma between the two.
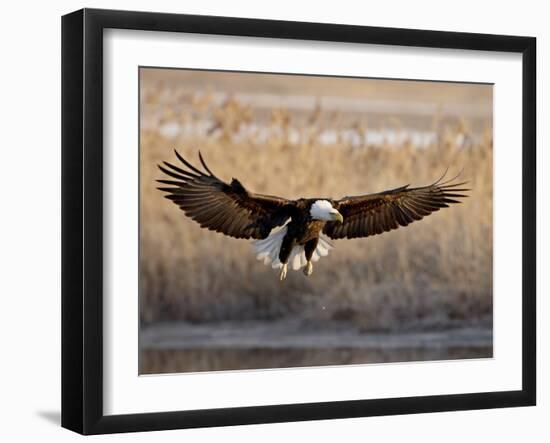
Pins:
x: 336, y: 216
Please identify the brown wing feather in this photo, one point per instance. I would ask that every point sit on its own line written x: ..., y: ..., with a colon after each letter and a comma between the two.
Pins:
x: 219, y: 206
x: 373, y: 214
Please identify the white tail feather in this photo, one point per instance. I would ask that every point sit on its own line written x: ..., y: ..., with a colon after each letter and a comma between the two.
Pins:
x: 268, y: 249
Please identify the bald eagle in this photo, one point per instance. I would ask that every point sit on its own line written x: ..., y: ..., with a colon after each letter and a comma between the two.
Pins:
x: 297, y: 232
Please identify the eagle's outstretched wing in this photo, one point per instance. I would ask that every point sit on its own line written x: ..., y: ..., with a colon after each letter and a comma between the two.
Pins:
x: 373, y: 214
x: 221, y: 207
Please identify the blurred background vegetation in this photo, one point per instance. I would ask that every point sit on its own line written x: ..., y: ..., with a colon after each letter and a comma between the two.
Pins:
x: 300, y: 136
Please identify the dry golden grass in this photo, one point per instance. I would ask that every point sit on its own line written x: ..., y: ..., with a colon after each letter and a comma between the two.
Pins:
x: 435, y: 273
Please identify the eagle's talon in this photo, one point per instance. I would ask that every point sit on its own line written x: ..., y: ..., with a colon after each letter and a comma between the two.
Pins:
x: 308, y: 270
x: 282, y: 275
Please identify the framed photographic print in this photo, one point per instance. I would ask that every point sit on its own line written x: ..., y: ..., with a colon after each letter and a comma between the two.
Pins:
x: 269, y: 221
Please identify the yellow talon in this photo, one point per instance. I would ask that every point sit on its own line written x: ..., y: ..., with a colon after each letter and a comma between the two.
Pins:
x: 282, y: 276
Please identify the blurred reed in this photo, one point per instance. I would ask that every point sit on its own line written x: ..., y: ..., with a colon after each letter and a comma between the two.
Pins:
x: 436, y: 273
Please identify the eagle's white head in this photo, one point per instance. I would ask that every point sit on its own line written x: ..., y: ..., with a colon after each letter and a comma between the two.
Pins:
x: 323, y: 210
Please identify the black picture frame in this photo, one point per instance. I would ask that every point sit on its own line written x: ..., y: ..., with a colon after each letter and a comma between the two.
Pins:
x: 82, y: 220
